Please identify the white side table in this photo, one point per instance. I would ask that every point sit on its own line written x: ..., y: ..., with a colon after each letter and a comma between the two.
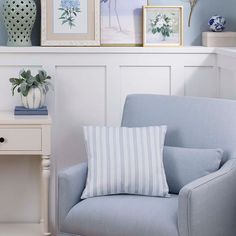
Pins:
x: 28, y: 135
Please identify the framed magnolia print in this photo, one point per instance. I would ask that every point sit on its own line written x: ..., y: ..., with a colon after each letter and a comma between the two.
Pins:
x: 121, y: 22
x: 163, y: 26
x: 70, y: 22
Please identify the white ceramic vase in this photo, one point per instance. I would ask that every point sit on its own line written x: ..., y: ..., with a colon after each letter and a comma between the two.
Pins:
x: 35, y: 98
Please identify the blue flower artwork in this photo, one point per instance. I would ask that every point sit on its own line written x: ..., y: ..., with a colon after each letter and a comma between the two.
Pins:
x: 70, y: 10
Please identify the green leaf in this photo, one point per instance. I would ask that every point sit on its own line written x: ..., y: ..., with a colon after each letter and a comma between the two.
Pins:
x: 43, y: 72
x: 25, y: 93
x: 64, y: 21
x: 154, y: 30
x: 13, y: 90
x: 23, y: 87
x: 41, y: 76
x: 37, y: 78
x: 26, y: 74
x: 30, y: 80
x: 12, y: 80
x: 64, y: 13
x: 36, y: 83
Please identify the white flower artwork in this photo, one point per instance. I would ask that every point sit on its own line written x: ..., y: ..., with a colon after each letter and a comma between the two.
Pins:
x: 163, y: 26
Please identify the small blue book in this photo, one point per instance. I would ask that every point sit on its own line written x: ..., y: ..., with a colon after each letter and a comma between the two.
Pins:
x: 22, y: 111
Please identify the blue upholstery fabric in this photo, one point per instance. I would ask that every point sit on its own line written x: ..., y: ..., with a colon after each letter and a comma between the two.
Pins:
x: 71, y: 183
x: 123, y: 215
x: 183, y: 165
x: 207, y: 206
x: 192, y: 122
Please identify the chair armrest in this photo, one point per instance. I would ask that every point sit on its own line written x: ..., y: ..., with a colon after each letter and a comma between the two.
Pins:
x: 207, y: 206
x: 71, y: 183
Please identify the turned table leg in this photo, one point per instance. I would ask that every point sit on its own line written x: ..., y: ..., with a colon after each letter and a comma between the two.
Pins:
x: 45, y: 194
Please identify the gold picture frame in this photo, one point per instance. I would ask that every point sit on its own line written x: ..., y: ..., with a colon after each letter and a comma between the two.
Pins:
x: 77, y: 25
x: 163, y: 26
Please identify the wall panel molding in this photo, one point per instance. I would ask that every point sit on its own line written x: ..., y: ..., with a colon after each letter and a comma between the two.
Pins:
x: 90, y: 85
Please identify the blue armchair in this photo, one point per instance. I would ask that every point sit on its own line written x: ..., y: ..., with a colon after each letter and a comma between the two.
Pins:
x: 204, y: 207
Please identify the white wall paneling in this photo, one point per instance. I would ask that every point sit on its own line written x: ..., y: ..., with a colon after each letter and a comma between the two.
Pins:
x: 90, y: 86
x: 201, y: 81
x: 144, y: 79
x: 226, y: 61
x: 80, y: 100
x: 227, y: 83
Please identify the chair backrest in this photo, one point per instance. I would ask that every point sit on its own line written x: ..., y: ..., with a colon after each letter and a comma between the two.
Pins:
x: 192, y: 122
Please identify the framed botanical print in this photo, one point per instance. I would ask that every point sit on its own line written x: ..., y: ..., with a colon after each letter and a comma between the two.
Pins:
x: 163, y: 26
x: 121, y: 22
x: 70, y: 22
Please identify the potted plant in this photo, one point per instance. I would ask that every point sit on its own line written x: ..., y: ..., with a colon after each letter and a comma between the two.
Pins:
x: 33, y: 89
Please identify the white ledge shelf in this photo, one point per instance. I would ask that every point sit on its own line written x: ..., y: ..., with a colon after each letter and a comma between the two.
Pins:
x: 108, y: 50
x: 229, y: 52
x: 119, y: 50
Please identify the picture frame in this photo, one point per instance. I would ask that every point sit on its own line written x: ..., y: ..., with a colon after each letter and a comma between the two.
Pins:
x: 121, y: 22
x: 70, y: 22
x: 162, y: 26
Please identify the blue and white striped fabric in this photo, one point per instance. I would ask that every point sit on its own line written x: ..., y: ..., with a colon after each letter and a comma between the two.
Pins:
x: 125, y: 160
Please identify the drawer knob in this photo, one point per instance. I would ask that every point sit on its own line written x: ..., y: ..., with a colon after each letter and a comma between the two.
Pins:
x: 2, y: 140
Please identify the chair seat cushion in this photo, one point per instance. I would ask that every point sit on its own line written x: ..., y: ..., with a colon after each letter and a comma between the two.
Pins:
x: 123, y: 215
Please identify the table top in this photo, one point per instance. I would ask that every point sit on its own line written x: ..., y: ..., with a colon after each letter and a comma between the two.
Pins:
x: 7, y: 118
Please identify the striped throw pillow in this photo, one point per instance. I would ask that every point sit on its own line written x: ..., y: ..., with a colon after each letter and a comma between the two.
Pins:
x: 125, y: 160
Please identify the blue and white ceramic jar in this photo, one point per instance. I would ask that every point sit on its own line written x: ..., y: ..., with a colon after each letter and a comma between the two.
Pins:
x: 217, y: 23
x: 19, y: 17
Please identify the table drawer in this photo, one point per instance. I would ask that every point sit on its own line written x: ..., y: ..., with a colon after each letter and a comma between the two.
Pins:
x: 20, y: 139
